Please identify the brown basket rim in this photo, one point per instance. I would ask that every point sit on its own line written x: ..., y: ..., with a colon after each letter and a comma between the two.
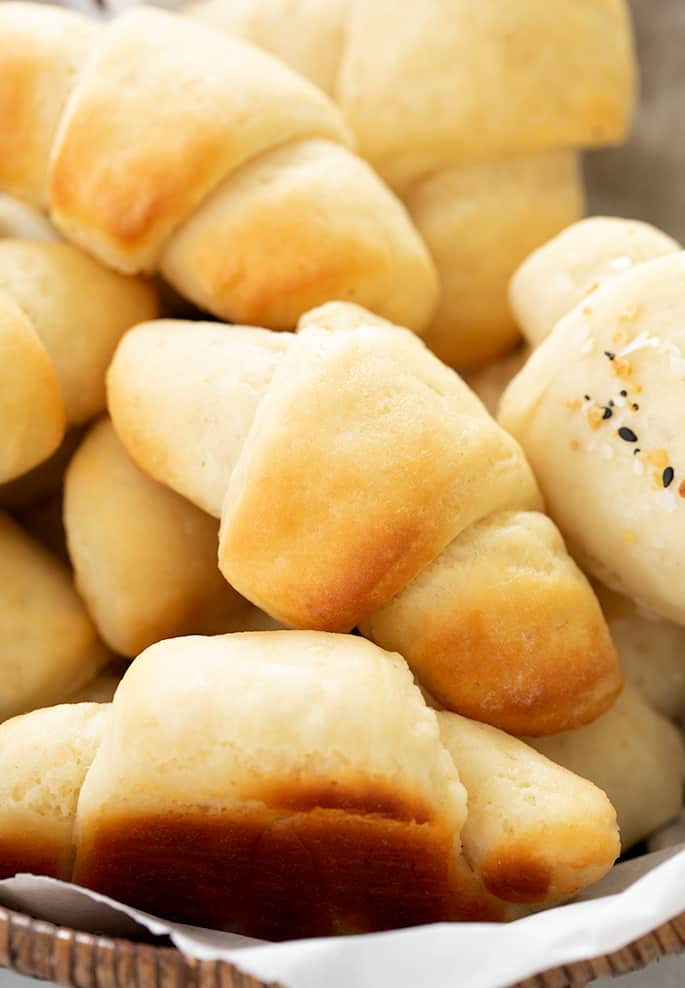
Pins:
x: 39, y: 949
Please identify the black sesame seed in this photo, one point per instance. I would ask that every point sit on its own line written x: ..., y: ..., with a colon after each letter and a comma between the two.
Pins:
x: 627, y: 435
x: 607, y: 413
x: 624, y: 394
x: 635, y: 407
x: 667, y: 476
x: 609, y: 354
x: 587, y: 398
x: 611, y: 402
x: 636, y: 450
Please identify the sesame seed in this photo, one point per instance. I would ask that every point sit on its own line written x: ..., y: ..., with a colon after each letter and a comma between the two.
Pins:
x: 624, y: 393
x: 611, y: 402
x: 635, y: 407
x: 627, y: 435
x: 667, y: 476
x: 587, y: 397
x: 610, y: 354
x: 607, y: 413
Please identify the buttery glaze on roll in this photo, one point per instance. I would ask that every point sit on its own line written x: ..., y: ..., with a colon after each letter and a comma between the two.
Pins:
x: 351, y: 436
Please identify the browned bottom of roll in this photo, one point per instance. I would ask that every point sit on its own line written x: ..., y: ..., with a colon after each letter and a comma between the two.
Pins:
x: 276, y: 876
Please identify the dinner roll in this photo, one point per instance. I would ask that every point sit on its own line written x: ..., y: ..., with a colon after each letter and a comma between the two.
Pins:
x: 567, y: 269
x: 32, y: 416
x: 596, y: 409
x: 635, y: 755
x: 44, y: 757
x: 503, y: 627
x: 80, y: 311
x: 144, y: 558
x: 22, y: 222
x: 480, y: 219
x: 48, y: 645
x: 534, y: 830
x: 651, y: 652
x: 352, y: 436
x: 282, y: 784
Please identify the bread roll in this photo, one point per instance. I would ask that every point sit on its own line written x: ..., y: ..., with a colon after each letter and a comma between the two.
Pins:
x: 144, y: 558
x: 480, y: 220
x: 294, y: 784
x: 455, y: 80
x: 534, y: 831
x: 596, y: 410
x: 32, y: 413
x: 563, y: 272
x: 636, y: 756
x: 481, y: 628
x: 485, y: 180
x: 352, y: 436
x: 22, y: 222
x: 177, y: 148
x: 308, y: 35
x: 79, y: 310
x: 44, y: 757
x: 43, y: 50
x: 651, y: 652
x: 48, y: 645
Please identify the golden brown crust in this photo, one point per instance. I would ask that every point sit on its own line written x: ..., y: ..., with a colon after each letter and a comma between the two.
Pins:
x: 43, y: 49
x: 130, y: 163
x: 235, y: 870
x: 32, y: 853
x: 504, y: 628
x: 394, y: 456
x: 353, y: 238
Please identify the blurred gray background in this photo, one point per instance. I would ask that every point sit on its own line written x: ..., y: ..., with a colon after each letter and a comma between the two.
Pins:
x: 645, y: 179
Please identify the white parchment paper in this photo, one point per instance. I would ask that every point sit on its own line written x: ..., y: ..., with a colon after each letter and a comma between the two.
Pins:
x: 634, y: 899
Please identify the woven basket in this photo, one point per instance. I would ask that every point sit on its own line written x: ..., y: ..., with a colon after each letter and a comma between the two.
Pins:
x: 34, y: 947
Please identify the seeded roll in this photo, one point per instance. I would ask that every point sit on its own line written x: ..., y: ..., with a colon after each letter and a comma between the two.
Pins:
x: 635, y: 755
x: 595, y: 409
x: 44, y: 757
x: 351, y: 435
x: 160, y: 145
x: 569, y: 268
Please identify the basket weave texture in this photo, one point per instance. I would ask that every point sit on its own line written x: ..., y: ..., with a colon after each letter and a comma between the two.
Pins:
x: 41, y: 950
